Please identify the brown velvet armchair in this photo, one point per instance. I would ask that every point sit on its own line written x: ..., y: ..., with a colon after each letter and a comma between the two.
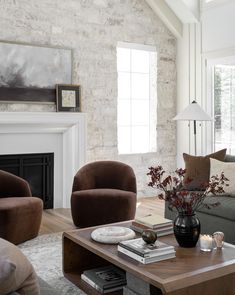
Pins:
x: 103, y: 192
x: 20, y: 213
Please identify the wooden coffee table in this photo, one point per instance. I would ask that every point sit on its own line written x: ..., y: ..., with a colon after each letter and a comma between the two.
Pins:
x: 192, y: 272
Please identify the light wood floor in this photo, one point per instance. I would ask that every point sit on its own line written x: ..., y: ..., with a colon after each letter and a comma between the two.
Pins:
x: 58, y: 220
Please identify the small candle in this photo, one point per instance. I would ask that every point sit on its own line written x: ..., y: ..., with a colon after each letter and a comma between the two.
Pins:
x: 206, y: 242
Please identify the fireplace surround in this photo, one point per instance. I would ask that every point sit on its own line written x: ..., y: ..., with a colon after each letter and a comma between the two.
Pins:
x: 63, y: 134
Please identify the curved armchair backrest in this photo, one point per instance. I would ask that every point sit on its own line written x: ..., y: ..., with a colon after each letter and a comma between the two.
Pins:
x: 13, y: 186
x: 105, y: 174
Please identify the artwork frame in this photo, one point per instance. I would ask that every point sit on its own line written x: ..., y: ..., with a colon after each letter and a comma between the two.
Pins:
x: 30, y: 72
x: 68, y: 98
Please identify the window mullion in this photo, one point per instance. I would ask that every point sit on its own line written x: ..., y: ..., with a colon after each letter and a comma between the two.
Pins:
x: 131, y: 126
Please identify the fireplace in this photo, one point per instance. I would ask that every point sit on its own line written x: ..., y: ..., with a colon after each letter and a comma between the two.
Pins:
x: 61, y: 133
x: 37, y: 169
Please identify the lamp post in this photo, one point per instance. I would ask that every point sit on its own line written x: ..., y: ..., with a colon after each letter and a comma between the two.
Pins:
x: 193, y: 112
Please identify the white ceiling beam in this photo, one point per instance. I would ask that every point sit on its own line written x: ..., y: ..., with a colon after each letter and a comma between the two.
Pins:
x: 169, y: 18
x: 188, y: 11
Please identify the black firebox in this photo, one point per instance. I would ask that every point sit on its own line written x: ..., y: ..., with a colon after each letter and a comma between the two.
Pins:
x: 37, y: 169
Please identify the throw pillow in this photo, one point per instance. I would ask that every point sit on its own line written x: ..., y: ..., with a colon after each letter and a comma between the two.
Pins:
x: 16, y: 272
x: 198, y: 169
x: 229, y: 172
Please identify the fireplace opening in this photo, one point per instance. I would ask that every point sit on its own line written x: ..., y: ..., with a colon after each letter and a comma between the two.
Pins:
x: 37, y: 169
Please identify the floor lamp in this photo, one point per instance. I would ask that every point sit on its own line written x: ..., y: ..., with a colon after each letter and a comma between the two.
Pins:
x: 193, y: 112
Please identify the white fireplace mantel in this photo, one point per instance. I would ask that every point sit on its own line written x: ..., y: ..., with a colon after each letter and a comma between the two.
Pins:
x: 29, y: 131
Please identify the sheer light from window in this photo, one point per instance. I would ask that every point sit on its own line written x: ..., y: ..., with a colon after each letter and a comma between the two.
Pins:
x: 137, y: 98
x: 224, y: 107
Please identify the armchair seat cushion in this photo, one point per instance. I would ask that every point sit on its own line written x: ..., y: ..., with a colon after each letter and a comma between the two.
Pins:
x: 20, y: 218
x: 104, y: 205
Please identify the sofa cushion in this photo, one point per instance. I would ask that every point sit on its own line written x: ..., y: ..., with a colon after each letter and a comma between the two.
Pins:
x: 17, y: 273
x: 229, y: 158
x: 226, y: 209
x: 198, y: 169
x: 216, y: 167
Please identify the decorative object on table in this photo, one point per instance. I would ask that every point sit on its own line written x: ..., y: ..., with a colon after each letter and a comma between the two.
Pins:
x: 158, y: 224
x: 219, y: 239
x: 146, y: 253
x: 186, y: 224
x: 112, y: 234
x: 105, y: 279
x: 187, y: 229
x: 29, y: 73
x: 149, y: 236
x: 193, y: 112
x: 206, y: 243
x: 67, y: 98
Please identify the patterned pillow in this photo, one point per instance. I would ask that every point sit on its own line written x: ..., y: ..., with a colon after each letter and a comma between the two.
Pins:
x: 229, y: 172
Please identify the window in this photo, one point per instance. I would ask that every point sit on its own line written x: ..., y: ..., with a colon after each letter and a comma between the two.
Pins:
x: 137, y: 98
x: 224, y: 107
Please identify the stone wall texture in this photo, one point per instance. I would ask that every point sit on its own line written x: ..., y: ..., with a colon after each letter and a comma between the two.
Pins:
x: 92, y: 28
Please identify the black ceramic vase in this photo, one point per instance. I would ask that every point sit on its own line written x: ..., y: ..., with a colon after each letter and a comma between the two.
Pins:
x: 187, y: 229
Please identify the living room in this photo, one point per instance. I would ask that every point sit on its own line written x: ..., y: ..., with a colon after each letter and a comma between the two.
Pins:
x: 84, y: 81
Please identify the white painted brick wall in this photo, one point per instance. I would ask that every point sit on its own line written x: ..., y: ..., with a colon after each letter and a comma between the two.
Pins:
x: 92, y: 29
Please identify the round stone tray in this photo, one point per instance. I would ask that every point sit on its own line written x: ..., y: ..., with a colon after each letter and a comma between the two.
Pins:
x: 112, y: 234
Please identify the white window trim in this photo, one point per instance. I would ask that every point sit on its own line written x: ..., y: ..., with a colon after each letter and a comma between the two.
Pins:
x: 136, y: 46
x: 208, y: 60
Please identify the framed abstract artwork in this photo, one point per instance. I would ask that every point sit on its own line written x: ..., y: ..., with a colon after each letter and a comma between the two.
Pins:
x: 67, y: 98
x: 30, y: 73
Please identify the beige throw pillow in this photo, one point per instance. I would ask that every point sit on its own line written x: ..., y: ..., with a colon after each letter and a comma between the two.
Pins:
x: 216, y: 167
x: 16, y: 272
x: 198, y: 169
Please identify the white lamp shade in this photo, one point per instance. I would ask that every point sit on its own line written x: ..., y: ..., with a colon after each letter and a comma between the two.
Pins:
x: 193, y: 112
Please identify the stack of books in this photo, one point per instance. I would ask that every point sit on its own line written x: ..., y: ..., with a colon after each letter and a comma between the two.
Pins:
x: 105, y: 279
x: 146, y: 253
x: 160, y: 225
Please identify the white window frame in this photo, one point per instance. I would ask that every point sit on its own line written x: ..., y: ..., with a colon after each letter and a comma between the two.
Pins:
x: 152, y: 146
x: 209, y: 60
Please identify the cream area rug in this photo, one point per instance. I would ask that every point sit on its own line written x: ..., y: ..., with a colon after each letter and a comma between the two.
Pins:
x: 45, y: 253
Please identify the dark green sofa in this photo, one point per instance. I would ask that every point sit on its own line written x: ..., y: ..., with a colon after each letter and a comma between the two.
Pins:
x: 221, y: 218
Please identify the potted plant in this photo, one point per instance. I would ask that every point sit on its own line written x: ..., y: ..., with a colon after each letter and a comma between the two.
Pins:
x: 172, y: 189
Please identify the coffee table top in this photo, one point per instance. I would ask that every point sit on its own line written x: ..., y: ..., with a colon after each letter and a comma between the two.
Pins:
x: 190, y: 266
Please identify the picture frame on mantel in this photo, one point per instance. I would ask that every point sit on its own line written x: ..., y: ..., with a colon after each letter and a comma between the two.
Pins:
x: 68, y: 98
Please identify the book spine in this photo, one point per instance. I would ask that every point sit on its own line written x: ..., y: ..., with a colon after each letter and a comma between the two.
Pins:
x: 144, y: 254
x: 146, y: 260
x: 149, y: 226
x: 131, y: 250
x: 160, y: 233
x: 91, y: 283
x: 154, y: 227
x: 131, y: 254
x: 149, y: 255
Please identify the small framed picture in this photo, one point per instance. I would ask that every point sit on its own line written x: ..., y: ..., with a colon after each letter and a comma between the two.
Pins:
x: 67, y: 98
